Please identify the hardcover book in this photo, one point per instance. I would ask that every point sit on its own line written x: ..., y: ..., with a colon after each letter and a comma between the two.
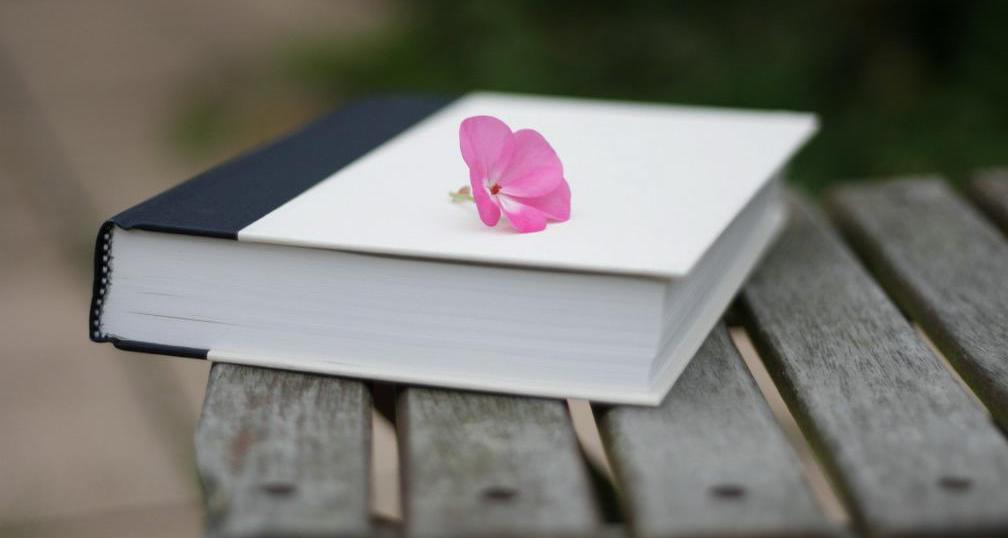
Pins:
x: 337, y: 249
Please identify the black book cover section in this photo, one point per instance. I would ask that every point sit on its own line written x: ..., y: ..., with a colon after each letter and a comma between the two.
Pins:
x: 223, y: 200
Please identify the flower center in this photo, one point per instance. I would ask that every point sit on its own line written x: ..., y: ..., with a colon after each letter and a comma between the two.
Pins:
x: 495, y: 188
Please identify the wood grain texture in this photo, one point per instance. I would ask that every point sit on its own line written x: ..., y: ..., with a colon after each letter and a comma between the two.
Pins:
x: 711, y: 460
x: 944, y: 264
x: 989, y: 190
x: 491, y: 465
x: 284, y: 454
x: 912, y: 452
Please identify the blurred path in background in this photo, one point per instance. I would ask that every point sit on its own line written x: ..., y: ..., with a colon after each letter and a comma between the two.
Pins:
x: 96, y: 442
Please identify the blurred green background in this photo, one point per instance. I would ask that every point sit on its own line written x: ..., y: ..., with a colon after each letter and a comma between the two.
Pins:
x: 901, y: 87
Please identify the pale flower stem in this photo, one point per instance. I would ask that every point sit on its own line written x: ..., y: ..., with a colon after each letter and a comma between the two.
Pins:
x: 462, y: 195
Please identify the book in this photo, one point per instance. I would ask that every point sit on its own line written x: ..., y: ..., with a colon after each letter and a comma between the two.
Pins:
x: 338, y: 250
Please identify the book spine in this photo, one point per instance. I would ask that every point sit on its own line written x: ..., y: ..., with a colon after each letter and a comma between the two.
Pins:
x: 102, y: 277
x: 99, y: 290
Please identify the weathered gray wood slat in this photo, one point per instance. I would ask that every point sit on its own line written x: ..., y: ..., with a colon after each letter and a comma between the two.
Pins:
x: 491, y: 465
x: 910, y: 449
x: 989, y: 190
x: 945, y: 265
x: 284, y: 454
x: 710, y: 461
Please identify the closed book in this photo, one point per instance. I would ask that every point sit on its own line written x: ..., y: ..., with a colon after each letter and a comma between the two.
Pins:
x: 338, y: 249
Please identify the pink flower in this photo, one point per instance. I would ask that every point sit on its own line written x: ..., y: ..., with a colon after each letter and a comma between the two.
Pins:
x: 517, y: 173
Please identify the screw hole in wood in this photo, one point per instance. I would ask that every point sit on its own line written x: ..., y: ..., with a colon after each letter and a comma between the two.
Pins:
x: 499, y: 493
x: 955, y: 483
x: 278, y: 489
x: 728, y: 491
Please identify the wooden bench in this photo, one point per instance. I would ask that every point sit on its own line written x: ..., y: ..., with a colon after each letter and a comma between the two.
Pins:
x: 844, y: 330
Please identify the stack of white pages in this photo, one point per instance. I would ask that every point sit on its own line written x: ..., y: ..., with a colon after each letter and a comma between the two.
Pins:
x: 338, y: 250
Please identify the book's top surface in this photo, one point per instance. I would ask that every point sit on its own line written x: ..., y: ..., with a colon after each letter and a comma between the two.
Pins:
x: 652, y: 185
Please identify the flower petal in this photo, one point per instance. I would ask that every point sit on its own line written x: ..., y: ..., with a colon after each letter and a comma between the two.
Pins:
x: 555, y: 205
x: 487, y: 145
x: 534, y: 169
x: 488, y: 211
x: 523, y: 218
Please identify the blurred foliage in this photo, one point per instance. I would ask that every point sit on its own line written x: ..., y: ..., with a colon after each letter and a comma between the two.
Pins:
x: 901, y: 87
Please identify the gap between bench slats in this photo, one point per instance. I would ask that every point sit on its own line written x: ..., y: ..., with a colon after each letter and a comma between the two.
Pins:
x: 911, y: 450
x: 711, y: 460
x: 284, y: 454
x: 989, y: 190
x: 945, y: 265
x: 491, y: 465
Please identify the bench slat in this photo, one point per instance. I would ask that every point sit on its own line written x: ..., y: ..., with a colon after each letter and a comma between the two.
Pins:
x: 910, y: 450
x: 711, y: 460
x: 945, y: 265
x: 491, y: 465
x: 989, y: 190
x: 284, y: 454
